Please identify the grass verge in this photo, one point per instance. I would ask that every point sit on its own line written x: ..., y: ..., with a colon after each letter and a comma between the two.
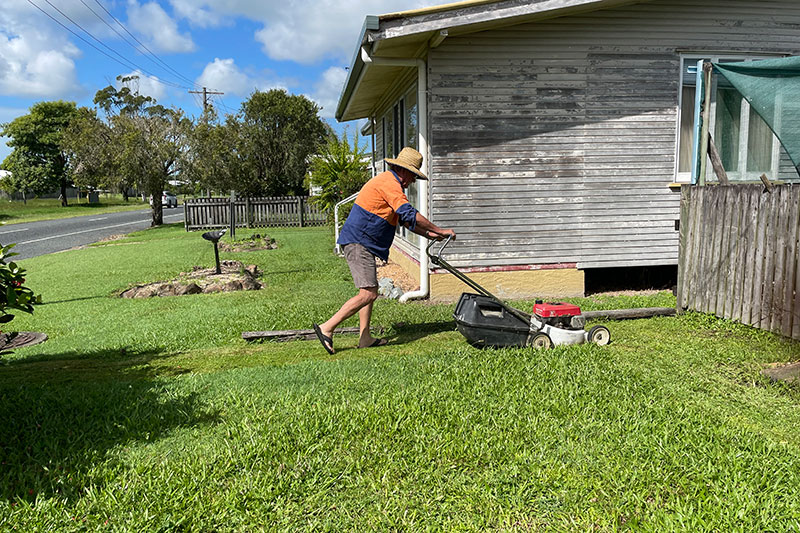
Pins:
x: 155, y: 415
x: 15, y: 212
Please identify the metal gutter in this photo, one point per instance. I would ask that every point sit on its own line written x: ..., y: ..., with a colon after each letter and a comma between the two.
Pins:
x: 371, y: 23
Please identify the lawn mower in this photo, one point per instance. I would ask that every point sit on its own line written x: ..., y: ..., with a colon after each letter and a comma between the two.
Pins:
x: 487, y: 321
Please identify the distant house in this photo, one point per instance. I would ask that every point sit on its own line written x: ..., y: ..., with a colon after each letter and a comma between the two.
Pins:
x: 555, y: 132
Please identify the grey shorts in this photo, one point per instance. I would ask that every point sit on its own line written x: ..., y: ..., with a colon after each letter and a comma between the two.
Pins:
x: 362, y: 265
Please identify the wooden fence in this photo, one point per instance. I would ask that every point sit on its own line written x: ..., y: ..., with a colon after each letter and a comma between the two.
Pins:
x: 206, y: 213
x: 739, y: 254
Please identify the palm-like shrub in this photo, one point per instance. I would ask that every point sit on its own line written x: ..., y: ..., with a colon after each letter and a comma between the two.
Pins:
x: 339, y: 170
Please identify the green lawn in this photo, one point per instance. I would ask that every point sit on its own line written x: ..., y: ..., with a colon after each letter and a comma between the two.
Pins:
x: 154, y: 415
x: 14, y: 212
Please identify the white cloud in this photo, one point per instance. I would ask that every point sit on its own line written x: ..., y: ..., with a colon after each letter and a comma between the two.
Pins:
x: 196, y: 15
x: 153, y: 22
x: 225, y: 76
x: 36, y: 60
x: 144, y: 85
x: 327, y: 91
x: 305, y: 31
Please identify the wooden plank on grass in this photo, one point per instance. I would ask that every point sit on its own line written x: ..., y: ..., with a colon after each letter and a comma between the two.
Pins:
x: 291, y: 334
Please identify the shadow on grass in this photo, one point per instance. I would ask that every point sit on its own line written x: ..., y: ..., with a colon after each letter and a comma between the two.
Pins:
x: 406, y: 332
x: 295, y: 271
x: 49, y: 302
x: 61, y: 418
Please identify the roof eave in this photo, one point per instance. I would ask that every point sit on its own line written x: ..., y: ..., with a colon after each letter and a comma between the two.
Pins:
x: 371, y: 23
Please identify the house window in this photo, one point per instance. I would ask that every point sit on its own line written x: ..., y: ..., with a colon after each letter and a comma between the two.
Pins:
x: 745, y: 143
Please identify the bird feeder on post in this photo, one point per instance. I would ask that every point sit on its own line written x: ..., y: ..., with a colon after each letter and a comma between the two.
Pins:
x: 215, y: 236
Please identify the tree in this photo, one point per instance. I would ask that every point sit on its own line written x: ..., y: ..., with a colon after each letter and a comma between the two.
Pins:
x: 146, y: 142
x: 39, y: 162
x: 213, y: 160
x: 90, y: 142
x: 339, y: 170
x: 278, y: 133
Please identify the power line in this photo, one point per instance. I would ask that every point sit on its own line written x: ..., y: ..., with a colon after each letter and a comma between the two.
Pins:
x: 102, y: 43
x: 112, y: 28
x: 125, y: 63
x: 121, y: 25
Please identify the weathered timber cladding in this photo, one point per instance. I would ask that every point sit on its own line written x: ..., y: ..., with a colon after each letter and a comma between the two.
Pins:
x: 555, y: 142
x: 739, y: 255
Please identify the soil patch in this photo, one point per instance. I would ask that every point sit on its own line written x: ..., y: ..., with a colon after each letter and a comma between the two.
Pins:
x: 251, y: 244
x: 399, y: 277
x: 234, y: 276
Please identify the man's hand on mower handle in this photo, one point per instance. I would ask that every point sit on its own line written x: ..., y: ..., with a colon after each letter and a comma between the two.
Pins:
x: 442, y: 235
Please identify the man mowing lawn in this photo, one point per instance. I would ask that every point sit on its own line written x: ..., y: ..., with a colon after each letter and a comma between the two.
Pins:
x: 368, y: 233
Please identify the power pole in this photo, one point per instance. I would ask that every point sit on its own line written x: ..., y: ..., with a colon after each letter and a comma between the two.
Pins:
x: 205, y: 92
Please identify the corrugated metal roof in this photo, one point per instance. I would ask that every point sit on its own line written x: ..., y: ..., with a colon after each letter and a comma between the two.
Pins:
x: 435, y: 9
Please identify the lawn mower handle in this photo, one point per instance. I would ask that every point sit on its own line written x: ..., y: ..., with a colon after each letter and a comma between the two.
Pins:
x: 437, y: 258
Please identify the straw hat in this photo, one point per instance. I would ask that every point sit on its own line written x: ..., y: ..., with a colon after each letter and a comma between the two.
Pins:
x: 409, y: 159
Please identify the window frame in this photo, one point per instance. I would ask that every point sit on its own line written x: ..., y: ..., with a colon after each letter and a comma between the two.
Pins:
x: 744, y: 119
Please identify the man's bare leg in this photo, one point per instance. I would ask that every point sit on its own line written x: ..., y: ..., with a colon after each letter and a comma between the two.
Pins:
x: 365, y: 297
x: 364, y: 316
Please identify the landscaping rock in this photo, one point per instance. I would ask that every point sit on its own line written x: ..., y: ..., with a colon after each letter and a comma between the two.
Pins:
x: 395, y: 293
x: 166, y: 289
x: 191, y: 288
x: 234, y: 276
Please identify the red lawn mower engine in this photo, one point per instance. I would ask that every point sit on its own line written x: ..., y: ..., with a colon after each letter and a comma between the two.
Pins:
x: 556, y: 323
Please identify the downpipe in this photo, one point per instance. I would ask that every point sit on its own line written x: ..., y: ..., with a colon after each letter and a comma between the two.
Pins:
x: 422, y: 142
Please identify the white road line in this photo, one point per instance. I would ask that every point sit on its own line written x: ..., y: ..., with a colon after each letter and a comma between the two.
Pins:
x: 84, y: 231
x: 14, y: 231
x: 96, y: 219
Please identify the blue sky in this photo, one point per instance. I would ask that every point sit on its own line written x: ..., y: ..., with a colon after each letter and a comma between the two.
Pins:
x: 231, y: 46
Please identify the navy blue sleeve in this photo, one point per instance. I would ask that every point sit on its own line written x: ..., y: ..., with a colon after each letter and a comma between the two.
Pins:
x: 408, y: 216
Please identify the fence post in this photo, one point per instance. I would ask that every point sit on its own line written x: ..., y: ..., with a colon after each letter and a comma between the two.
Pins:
x: 247, y: 211
x: 232, y: 218
x: 300, y: 208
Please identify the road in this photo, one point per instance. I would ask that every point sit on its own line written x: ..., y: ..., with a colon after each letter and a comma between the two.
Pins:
x: 48, y: 236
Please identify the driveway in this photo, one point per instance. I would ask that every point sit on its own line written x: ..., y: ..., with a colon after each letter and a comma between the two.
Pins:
x: 48, y: 236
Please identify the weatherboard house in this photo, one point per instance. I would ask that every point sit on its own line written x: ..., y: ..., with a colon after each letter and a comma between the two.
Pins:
x: 555, y: 131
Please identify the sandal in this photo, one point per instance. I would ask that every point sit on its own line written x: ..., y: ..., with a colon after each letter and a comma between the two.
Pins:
x: 326, y: 341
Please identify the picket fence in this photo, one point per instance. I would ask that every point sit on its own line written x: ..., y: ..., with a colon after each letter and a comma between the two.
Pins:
x: 739, y: 248
x: 282, y: 211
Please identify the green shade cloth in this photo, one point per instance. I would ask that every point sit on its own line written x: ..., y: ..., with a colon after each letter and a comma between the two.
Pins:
x: 772, y: 86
